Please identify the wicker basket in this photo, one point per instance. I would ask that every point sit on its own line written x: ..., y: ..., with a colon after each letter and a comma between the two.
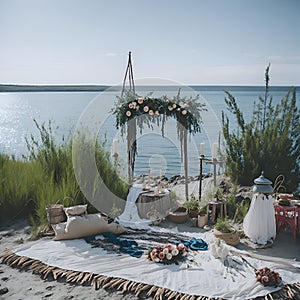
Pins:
x: 55, y: 213
x: 179, y: 215
x: 230, y: 238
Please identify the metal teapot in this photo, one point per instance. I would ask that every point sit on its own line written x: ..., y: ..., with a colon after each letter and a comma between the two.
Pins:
x: 263, y: 185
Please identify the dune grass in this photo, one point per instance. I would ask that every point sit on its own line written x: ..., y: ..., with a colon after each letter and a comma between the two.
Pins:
x: 46, y: 176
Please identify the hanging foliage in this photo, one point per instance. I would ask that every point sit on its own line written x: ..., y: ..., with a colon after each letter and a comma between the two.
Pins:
x: 149, y: 111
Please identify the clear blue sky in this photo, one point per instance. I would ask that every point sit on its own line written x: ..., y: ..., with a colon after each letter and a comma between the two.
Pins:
x: 205, y: 42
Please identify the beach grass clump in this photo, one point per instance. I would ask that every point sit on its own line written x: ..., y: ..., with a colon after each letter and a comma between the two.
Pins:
x: 19, y: 181
x: 46, y: 176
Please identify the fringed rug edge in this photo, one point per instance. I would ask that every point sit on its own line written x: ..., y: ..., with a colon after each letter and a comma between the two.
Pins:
x: 98, y: 281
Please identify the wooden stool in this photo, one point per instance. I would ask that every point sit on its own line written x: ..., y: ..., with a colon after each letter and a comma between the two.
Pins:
x: 215, y: 204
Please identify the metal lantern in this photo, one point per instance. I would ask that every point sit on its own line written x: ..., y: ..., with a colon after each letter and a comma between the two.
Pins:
x: 263, y: 185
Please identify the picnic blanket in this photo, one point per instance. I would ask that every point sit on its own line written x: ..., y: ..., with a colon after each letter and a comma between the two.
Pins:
x: 101, y: 262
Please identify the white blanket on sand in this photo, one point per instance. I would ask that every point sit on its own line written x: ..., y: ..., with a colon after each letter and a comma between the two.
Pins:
x: 201, y: 275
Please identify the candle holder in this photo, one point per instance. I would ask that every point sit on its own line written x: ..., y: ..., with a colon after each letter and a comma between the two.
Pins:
x: 214, y: 162
x: 200, y: 176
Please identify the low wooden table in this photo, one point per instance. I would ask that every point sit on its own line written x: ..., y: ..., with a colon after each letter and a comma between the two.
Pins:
x: 148, y: 202
x: 215, y: 204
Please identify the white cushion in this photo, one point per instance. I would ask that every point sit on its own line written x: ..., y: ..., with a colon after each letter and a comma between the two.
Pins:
x: 76, y: 210
x: 82, y: 226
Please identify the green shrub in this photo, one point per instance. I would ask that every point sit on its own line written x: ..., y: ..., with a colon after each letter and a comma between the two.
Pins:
x: 192, y: 204
x: 269, y: 142
x: 224, y: 225
x: 236, y: 210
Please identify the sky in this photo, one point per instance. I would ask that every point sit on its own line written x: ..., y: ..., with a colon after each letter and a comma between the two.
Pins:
x: 193, y: 42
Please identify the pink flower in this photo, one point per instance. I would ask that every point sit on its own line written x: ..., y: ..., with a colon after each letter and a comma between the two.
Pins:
x: 180, y: 246
x: 258, y: 278
x: 151, y: 113
x: 140, y: 100
x: 128, y: 113
x: 161, y: 255
x: 130, y: 105
x: 169, y: 246
x: 265, y: 279
x: 146, y: 108
x: 184, y: 112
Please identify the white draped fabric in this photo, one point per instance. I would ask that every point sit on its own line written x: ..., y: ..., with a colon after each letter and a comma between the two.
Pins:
x: 130, y: 217
x: 259, y: 223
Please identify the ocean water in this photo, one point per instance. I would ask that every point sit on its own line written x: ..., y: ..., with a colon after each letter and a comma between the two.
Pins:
x: 162, y: 155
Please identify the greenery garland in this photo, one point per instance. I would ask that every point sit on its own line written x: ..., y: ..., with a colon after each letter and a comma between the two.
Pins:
x: 148, y: 111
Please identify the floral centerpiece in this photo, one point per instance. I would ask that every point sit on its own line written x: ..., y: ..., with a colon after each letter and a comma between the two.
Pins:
x: 268, y: 277
x: 168, y: 254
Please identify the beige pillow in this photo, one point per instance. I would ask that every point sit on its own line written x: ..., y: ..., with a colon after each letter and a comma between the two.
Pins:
x: 77, y: 210
x: 82, y: 226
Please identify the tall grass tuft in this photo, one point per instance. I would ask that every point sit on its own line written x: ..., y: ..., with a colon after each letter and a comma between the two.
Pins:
x: 46, y: 176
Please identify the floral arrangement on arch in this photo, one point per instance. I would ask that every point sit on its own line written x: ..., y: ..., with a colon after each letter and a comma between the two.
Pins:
x: 186, y: 111
x: 168, y: 254
x: 268, y: 277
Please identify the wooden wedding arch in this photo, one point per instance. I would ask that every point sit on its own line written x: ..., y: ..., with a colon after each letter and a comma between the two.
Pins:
x: 134, y: 112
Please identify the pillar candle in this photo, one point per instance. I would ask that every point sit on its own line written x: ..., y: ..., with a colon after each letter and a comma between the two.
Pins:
x: 115, y: 146
x: 214, y: 150
x: 202, y: 149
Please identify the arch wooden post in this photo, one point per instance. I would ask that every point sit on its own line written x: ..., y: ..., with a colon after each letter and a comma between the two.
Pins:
x: 185, y: 163
x: 131, y: 126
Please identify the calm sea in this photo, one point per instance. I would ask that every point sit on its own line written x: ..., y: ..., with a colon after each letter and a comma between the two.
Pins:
x: 162, y: 155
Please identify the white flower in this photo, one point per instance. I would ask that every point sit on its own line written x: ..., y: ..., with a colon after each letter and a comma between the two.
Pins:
x: 140, y: 100
x: 130, y: 105
x: 174, y: 105
x: 137, y: 107
x: 169, y: 256
x: 156, y: 259
x: 175, y: 252
x: 166, y: 251
x: 184, y: 112
x: 128, y: 113
x: 184, y: 253
x: 146, y: 108
x: 151, y: 113
x: 170, y: 108
x: 157, y: 112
